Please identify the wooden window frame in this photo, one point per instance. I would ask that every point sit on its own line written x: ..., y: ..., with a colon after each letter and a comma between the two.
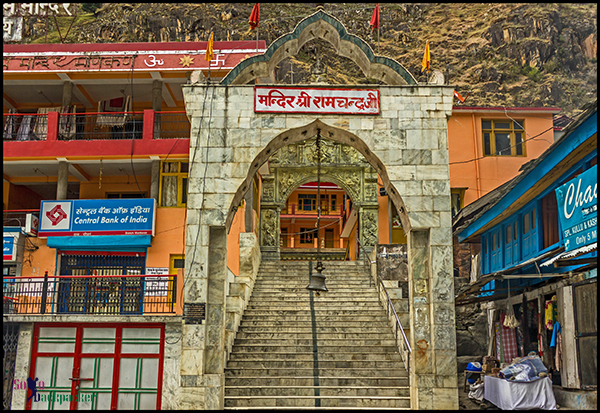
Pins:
x: 512, y: 131
x: 180, y: 179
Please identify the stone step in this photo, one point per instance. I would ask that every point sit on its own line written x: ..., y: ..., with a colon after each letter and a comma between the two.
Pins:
x: 332, y: 371
x: 308, y: 364
x: 359, y: 335
x: 391, y: 391
x: 308, y: 348
x: 341, y: 301
x: 371, y: 381
x: 302, y: 291
x: 319, y: 312
x: 321, y: 317
x: 320, y: 401
x: 324, y: 341
x: 307, y: 325
x: 296, y: 329
x: 309, y: 355
x: 358, y: 307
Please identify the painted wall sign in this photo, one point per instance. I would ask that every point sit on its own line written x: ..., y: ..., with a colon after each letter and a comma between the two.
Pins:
x: 83, y: 217
x: 272, y: 99
x: 123, y: 61
x: 39, y: 9
x: 9, y: 250
x: 578, y: 209
x: 13, y: 29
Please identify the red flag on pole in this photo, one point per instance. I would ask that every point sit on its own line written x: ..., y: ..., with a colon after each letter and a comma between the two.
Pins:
x: 254, y: 17
x: 375, y: 18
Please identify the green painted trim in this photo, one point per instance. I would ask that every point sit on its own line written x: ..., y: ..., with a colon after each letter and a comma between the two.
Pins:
x: 344, y: 36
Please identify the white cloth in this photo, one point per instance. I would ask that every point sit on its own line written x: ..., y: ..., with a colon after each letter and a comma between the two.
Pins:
x: 509, y: 395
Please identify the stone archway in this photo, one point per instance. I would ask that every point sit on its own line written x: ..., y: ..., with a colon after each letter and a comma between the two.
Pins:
x: 407, y: 145
x: 294, y: 165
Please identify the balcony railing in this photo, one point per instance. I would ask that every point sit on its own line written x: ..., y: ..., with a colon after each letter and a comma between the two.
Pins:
x: 52, y: 126
x: 292, y: 209
x: 99, y: 295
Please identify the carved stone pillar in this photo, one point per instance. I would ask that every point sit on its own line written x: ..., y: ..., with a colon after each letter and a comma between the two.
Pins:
x: 368, y: 227
x: 269, y: 232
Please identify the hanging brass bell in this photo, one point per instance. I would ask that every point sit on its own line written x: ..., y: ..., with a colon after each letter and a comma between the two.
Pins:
x: 317, y: 281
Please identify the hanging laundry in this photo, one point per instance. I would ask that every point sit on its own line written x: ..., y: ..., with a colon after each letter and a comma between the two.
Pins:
x: 25, y: 133
x: 10, y: 127
x: 550, y: 314
x: 509, y: 341
x: 121, y: 105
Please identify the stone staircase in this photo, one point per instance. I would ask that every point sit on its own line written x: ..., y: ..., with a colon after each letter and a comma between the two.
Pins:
x: 298, y: 350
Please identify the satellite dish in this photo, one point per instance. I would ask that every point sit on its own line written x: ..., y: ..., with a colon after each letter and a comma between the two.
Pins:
x: 437, y: 78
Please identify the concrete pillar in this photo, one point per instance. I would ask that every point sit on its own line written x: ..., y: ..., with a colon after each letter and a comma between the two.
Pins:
x: 63, y: 180
x: 67, y: 95
x: 157, y: 86
x: 248, y: 201
x: 214, y: 347
x: 433, y: 379
x: 155, y: 179
x: 22, y: 362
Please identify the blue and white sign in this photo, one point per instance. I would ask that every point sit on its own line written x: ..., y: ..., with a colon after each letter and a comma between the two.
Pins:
x: 84, y: 217
x: 578, y: 209
x: 8, y: 248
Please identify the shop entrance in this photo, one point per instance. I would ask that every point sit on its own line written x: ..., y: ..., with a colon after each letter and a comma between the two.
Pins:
x: 97, y: 366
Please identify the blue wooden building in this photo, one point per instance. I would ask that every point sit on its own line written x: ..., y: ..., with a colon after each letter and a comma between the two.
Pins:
x: 537, y: 237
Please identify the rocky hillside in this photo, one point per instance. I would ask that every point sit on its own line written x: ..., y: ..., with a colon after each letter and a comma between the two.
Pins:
x: 504, y: 54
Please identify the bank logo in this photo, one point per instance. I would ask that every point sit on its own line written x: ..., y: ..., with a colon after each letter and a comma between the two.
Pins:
x: 56, y: 214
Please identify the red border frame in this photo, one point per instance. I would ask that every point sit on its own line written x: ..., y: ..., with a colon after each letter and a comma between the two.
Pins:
x: 117, y: 355
x: 318, y: 112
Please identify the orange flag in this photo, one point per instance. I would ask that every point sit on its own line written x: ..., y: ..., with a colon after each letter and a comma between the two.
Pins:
x: 426, y: 59
x: 254, y: 17
x: 375, y: 18
x: 209, y: 49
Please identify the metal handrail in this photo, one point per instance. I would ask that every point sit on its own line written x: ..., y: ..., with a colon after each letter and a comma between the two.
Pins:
x: 380, y: 285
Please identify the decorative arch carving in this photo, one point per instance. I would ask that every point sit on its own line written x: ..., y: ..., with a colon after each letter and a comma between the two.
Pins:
x: 287, y: 187
x: 320, y: 25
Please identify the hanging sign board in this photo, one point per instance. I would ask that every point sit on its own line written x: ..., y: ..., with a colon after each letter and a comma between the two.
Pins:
x: 578, y: 209
x: 12, y: 247
x: 157, y: 286
x: 31, y: 224
x: 282, y: 99
x: 84, y: 217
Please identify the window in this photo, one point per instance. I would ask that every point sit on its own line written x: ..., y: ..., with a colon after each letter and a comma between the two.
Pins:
x: 333, y: 199
x: 511, y: 243
x: 503, y: 138
x: 307, y: 202
x: 457, y: 199
x: 550, y: 233
x: 529, y: 233
x: 174, y: 183
x: 496, y: 250
x: 307, y: 235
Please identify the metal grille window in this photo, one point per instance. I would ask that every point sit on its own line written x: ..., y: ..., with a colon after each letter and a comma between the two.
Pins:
x: 503, y: 138
x: 307, y: 235
x: 110, y: 295
x: 10, y: 340
x: 174, y: 184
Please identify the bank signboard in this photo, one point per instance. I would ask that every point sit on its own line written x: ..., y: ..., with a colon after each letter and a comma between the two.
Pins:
x: 283, y: 99
x: 84, y: 217
x: 578, y: 209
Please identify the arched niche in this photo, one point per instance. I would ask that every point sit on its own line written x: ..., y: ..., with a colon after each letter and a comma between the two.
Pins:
x: 320, y: 25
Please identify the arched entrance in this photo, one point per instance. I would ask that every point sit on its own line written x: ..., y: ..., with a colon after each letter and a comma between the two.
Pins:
x: 405, y: 142
x: 294, y: 165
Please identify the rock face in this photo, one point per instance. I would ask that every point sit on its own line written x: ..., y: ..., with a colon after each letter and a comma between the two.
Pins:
x: 471, y: 332
x: 504, y: 54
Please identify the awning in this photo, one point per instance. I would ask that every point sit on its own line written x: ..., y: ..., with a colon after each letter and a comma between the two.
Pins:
x: 136, y: 243
x: 571, y: 254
